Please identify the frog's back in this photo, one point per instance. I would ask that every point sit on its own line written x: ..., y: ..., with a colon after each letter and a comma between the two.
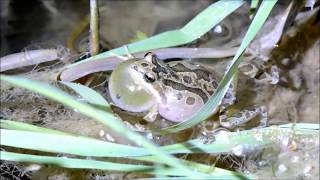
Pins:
x: 188, y: 88
x: 195, y: 76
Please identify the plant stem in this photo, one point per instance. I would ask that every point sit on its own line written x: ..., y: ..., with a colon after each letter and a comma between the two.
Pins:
x: 94, y: 27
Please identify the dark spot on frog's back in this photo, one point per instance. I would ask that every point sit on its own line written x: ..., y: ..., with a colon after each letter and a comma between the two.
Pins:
x: 201, y: 72
x: 214, y: 84
x: 135, y: 68
x: 247, y: 114
x: 179, y: 67
x: 179, y: 96
x: 190, y: 100
x: 181, y: 87
x: 187, y: 79
x: 159, y: 69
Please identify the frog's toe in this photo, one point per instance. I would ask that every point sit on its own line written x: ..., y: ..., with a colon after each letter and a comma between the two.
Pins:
x: 271, y: 77
x: 243, y: 117
x: 152, y: 114
x: 248, y: 69
x: 150, y: 117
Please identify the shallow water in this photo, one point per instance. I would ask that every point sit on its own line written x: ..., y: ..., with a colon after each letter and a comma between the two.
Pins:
x: 294, y: 99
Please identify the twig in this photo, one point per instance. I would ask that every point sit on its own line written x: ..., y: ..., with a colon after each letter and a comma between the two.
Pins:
x: 94, y: 27
x: 32, y: 57
x: 94, y: 32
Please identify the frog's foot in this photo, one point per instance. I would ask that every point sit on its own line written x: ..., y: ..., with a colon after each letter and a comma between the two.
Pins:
x: 262, y: 75
x: 152, y: 114
x: 248, y: 69
x: 243, y: 117
x: 210, y: 137
x: 271, y: 77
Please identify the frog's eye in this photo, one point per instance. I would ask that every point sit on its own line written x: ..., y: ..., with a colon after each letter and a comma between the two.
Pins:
x: 148, y: 77
x: 221, y: 30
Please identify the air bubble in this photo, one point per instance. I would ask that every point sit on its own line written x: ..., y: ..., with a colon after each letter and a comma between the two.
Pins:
x: 281, y: 169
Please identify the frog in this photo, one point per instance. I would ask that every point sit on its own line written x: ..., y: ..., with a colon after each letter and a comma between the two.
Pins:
x: 174, y: 90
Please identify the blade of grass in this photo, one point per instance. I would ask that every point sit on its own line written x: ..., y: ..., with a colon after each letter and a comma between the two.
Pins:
x: 254, y: 138
x: 254, y: 4
x: 102, y: 165
x: 14, y: 125
x: 88, y: 94
x: 307, y: 126
x: 85, y: 146
x: 93, y: 147
x: 67, y: 144
x: 197, y: 27
x: 104, y: 117
x: 215, y: 99
x: 74, y: 163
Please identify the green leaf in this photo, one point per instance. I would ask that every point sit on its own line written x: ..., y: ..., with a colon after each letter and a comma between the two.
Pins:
x: 254, y: 4
x: 84, y: 146
x: 88, y: 94
x: 102, y: 165
x: 215, y: 99
x: 91, y: 147
x: 104, y: 117
x: 73, y: 163
x: 7, y: 124
x: 306, y: 126
x: 197, y: 27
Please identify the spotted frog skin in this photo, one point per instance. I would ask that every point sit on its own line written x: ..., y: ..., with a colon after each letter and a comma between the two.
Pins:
x: 175, y: 90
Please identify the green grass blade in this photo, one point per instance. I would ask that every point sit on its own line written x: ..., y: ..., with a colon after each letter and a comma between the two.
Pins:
x: 103, y: 165
x: 101, y: 116
x: 307, y: 126
x: 254, y: 4
x: 85, y: 146
x: 247, y: 139
x: 88, y: 94
x: 197, y: 27
x: 73, y: 163
x: 214, y: 101
x: 14, y: 125
x: 71, y: 144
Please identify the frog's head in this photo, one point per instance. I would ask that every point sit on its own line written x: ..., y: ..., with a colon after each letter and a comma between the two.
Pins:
x: 133, y: 85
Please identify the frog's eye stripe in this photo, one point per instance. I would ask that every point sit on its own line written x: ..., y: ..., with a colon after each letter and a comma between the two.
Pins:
x: 152, y: 58
x: 147, y: 54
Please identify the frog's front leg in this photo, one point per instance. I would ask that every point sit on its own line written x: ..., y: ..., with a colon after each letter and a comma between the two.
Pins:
x: 231, y: 120
x: 242, y: 117
x: 152, y: 114
x: 268, y: 75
